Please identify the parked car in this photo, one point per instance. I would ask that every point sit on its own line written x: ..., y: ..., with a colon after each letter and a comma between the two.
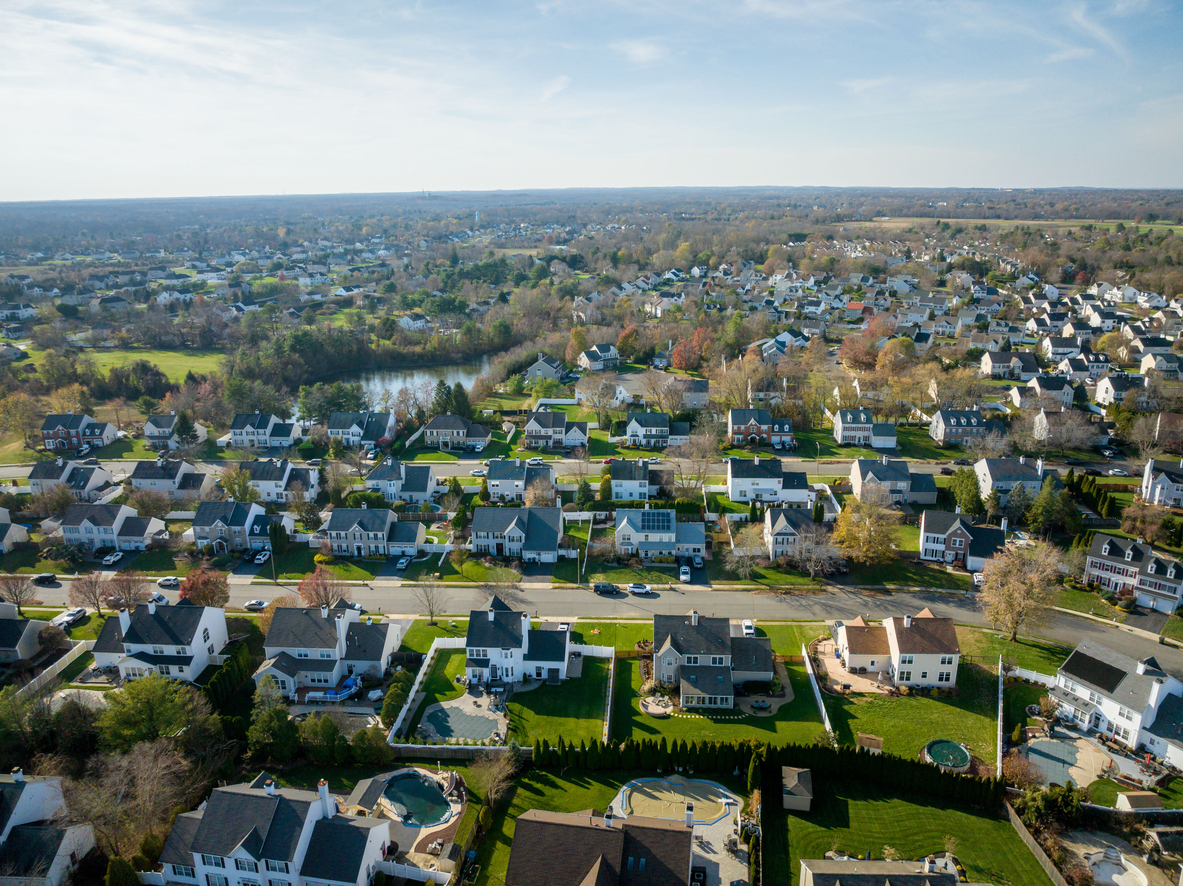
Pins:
x: 749, y: 629
x: 979, y: 579
x: 1074, y: 461
x: 609, y: 461
x: 262, y: 557
x: 536, y: 460
x: 653, y: 460
x: 170, y: 582
x: 402, y: 564
x: 1118, y: 472
x: 1108, y: 452
x: 604, y: 587
x: 254, y: 605
x: 564, y: 626
x: 640, y: 590
x: 44, y: 578
x: 478, y: 472
x: 69, y: 617
x: 697, y: 562
x: 112, y: 558
x: 946, y: 471
x: 962, y: 462
x: 1091, y: 472
x: 158, y: 598
x: 684, y: 574
x: 314, y: 462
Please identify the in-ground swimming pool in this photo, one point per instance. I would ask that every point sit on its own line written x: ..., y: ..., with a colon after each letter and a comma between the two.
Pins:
x: 417, y: 799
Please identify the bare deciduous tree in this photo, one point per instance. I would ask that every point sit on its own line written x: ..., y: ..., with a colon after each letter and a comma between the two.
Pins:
x: 746, y: 551
x: 18, y: 590
x: 1143, y: 519
x: 991, y: 445
x: 431, y: 597
x: 815, y: 549
x: 1144, y: 435
x: 286, y: 601
x: 493, y: 774
x: 540, y: 494
x: 89, y: 591
x: 322, y: 588
x: 130, y: 588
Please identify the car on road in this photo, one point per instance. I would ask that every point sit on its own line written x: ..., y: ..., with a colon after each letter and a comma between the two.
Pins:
x: 478, y: 472
x: 262, y: 557
x: 254, y: 605
x: 313, y: 462
x: 112, y: 558
x: 402, y: 564
x: 640, y: 590
x: 1091, y: 472
x: 945, y: 472
x: 536, y: 460
x: 962, y: 462
x: 170, y: 582
x: 608, y: 461
x: 158, y: 598
x: 1075, y: 461
x: 1117, y: 472
x: 653, y: 460
x: 69, y: 617
x: 684, y: 574
x: 604, y: 587
x: 697, y: 562
x: 749, y: 629
x: 44, y: 578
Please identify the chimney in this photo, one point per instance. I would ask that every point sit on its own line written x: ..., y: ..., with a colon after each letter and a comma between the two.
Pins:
x: 640, y: 460
x: 1039, y: 468
x: 327, y: 806
x: 608, y: 817
x: 269, y: 787
x: 124, y: 620
x: 518, y: 461
x: 689, y: 814
x: 957, y: 510
x: 324, y: 612
x: 59, y: 462
x: 490, y: 615
x: 930, y: 865
x: 1022, y: 459
x: 757, y: 459
x: 18, y: 774
x: 1005, y: 521
x: 694, y: 618
x: 363, y: 505
x: 884, y: 459
x: 1142, y: 666
x: 151, y: 608
x: 907, y: 621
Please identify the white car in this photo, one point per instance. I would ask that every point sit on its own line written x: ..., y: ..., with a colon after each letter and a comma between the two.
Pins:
x: 169, y: 582
x: 653, y: 459
x: 684, y: 574
x: 112, y: 559
x: 979, y: 579
x: 478, y: 472
x: 158, y: 598
x: 749, y: 629
x: 402, y: 564
x: 254, y: 605
x: 67, y: 618
x: 640, y: 590
x: 536, y: 460
x: 262, y: 557
x: 1118, y: 472
x: 564, y: 626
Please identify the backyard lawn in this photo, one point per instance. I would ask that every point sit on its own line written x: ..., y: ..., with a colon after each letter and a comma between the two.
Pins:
x: 859, y: 818
x: 1104, y: 792
x: 440, y: 684
x: 1034, y: 655
x: 620, y: 635
x: 1015, y: 699
x: 421, y: 634
x: 572, y: 710
x: 796, y: 722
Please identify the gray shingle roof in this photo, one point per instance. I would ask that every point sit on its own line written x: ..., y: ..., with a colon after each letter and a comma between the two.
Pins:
x: 302, y: 628
x: 503, y: 631
x: 1112, y: 674
x: 167, y: 626
x: 366, y: 519
x: 711, y: 636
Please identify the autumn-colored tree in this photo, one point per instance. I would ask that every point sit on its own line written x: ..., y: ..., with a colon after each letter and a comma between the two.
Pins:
x: 627, y: 344
x: 285, y: 601
x: 206, y: 587
x: 237, y: 484
x: 1020, y: 585
x: 866, y: 529
x: 322, y: 588
x: 684, y: 357
x: 577, y: 345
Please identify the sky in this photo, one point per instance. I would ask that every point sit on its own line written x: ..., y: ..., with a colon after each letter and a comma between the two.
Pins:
x: 156, y: 98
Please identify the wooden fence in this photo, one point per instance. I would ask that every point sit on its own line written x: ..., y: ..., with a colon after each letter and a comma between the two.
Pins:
x: 1036, y: 849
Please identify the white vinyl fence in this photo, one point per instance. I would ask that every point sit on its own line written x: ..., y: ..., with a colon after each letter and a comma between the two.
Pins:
x: 413, y: 699
x: 1048, y: 680
x: 410, y: 872
x: 50, y: 673
x: 817, y: 693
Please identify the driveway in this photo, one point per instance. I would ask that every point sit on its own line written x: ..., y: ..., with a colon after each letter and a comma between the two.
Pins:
x: 1147, y: 620
x: 538, y: 572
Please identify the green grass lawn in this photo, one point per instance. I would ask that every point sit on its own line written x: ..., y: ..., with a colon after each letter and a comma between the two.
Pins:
x: 915, y: 443
x: 421, y: 634
x: 175, y: 364
x: 298, y: 562
x: 1015, y: 699
x: 572, y: 710
x: 762, y: 576
x: 1080, y: 600
x: 864, y: 818
x: 787, y: 639
x: 76, y: 667
x: 796, y: 722
x: 907, y: 724
x: 470, y: 570
x: 908, y: 573
x: 1034, y: 655
x: 619, y: 635
x: 30, y: 561
x: 502, y: 401
x: 159, y: 563
x: 907, y: 538
x: 497, y: 448
x: 1174, y: 627
x: 440, y: 684
x: 127, y: 447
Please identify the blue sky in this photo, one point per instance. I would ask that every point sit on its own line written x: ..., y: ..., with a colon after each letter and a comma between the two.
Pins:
x: 131, y: 98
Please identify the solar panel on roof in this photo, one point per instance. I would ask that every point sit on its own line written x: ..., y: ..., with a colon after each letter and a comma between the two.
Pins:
x: 1093, y: 670
x: 654, y: 521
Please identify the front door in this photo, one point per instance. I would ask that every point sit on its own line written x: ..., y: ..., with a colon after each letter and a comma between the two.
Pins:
x: 359, y: 550
x: 500, y: 549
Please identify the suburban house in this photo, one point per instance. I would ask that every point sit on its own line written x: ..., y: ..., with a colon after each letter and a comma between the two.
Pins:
x: 174, y: 478
x: 281, y: 481
x: 859, y: 872
x: 952, y: 538
x: 953, y: 427
x: 73, y: 431
x: 1044, y: 390
x: 1113, y: 388
x: 749, y: 426
x: 10, y: 533
x: 414, y: 322
x: 1019, y: 365
x: 262, y: 430
x: 782, y: 530
x: 245, y: 834
x: 37, y: 847
x: 585, y: 848
x: 545, y: 367
x: 403, y: 481
x: 533, y: 534
x: 87, y: 480
x: 856, y: 427
x: 500, y: 646
x: 509, y: 480
x: 657, y: 534
x: 895, y: 477
x: 228, y: 525
x: 160, y: 431
x: 1129, y: 701
x: 18, y: 636
x: 1132, y: 567
x: 1003, y: 474
x: 637, y: 480
x: 1162, y: 484
x: 599, y: 357
x: 909, y: 651
x: 174, y: 641
x: 370, y: 532
x: 455, y: 432
x: 703, y: 659
x: 553, y: 430
x: 362, y: 428
x: 695, y: 393
x: 763, y: 479
x: 110, y: 526
x: 321, y: 647
x: 654, y: 430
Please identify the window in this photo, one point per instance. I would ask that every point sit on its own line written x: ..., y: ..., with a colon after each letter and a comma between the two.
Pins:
x: 184, y: 870
x: 243, y: 864
x: 213, y: 861
x: 905, y: 677
x: 164, y: 670
x: 691, y: 659
x: 216, y: 880
x: 1125, y: 713
x: 944, y: 677
x: 179, y: 650
x: 158, y: 650
x: 205, y: 635
x: 301, y: 653
x: 326, y: 653
x: 277, y: 867
x: 946, y: 659
x: 905, y: 659
x: 717, y: 660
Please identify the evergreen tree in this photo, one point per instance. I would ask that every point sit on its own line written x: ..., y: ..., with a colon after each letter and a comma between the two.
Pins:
x: 606, y: 488
x: 583, y: 495
x: 484, y: 495
x: 752, y: 511
x: 754, y: 773
x: 819, y: 511
x: 992, y: 504
x: 1017, y: 503
x: 441, y: 402
x: 459, y: 401
x: 964, y: 486
x: 185, y: 432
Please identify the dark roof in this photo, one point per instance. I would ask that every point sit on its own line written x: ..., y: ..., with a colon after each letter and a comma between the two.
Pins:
x: 884, y: 470
x: 157, y: 470
x: 405, y: 532
x: 504, y: 631
x: 167, y: 626
x: 11, y: 631
x: 98, y: 515
x: 49, y: 470
x: 30, y: 850
x: 368, y: 519
x: 364, y: 642
x: 794, y: 519
x: 754, y: 469
x: 629, y: 470
x: 254, y: 420
x: 796, y: 782
x: 546, y: 419
x: 649, y: 419
x: 711, y: 636
x: 265, y: 826
x: 229, y: 513
x: 10, y: 794
x: 302, y: 629
x: 1142, y: 556
x: 751, y: 654
x: 164, y: 421
x: 265, y: 470
x: 547, y: 645
x: 337, y: 848
x: 70, y: 422
x: 854, y: 872
x: 542, y: 527
x: 178, y: 848
x: 705, y: 680
x: 746, y: 416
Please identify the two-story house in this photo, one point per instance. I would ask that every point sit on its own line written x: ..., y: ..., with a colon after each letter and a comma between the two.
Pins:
x: 248, y: 834
x: 952, y: 538
x: 657, y: 534
x: 895, y: 478
x: 1019, y: 365
x: 909, y: 651
x: 160, y: 431
x: 501, y: 646
x: 73, y: 431
x: 637, y: 480
x: 532, y: 534
x: 37, y: 845
x: 508, y: 479
x: 172, y: 477
x: 110, y: 526
x: 1118, y: 387
x: 553, y: 430
x: 654, y: 430
x: 1162, y: 484
x: 11, y: 534
x: 403, y: 481
x: 599, y: 357
x: 19, y: 637
x: 1003, y: 474
x: 856, y: 427
x: 764, y: 479
x: 262, y: 430
x: 370, y: 532
x: 705, y: 658
x: 87, y: 480
x: 281, y: 481
x: 450, y: 432
x: 1133, y: 567
x: 749, y: 426
x: 173, y: 641
x: 782, y: 530
x: 225, y: 525
x: 546, y: 367
x: 362, y: 428
x: 954, y: 427
x: 322, y: 647
x: 1045, y: 390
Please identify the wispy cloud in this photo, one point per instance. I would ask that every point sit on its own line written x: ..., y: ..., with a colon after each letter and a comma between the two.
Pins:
x: 860, y: 85
x: 641, y: 52
x: 1071, y: 53
x: 555, y: 86
x: 1081, y: 17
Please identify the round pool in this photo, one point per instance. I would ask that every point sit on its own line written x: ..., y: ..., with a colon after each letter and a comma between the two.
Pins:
x: 418, y: 800
x: 949, y: 755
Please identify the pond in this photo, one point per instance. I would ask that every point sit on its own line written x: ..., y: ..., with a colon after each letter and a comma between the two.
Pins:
x: 376, y: 381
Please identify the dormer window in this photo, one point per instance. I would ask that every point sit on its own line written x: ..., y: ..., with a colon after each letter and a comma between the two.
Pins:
x: 1129, y: 555
x: 1105, y: 549
x: 1151, y: 568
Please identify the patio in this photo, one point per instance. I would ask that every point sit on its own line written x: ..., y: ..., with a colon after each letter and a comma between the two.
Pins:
x: 834, y: 676
x: 464, y: 719
x: 1068, y: 758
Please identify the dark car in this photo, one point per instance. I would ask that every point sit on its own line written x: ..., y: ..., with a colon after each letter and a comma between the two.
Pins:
x: 45, y: 578
x: 961, y: 461
x: 946, y: 471
x: 1091, y: 472
x: 1075, y: 461
x: 604, y: 587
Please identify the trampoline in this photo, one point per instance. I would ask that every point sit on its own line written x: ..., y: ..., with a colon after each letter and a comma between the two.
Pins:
x: 455, y: 723
x: 667, y: 797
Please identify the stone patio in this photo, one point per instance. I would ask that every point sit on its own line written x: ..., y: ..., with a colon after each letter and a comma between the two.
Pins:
x: 745, y: 704
x: 467, y: 717
x: 834, y: 675
x: 1081, y: 843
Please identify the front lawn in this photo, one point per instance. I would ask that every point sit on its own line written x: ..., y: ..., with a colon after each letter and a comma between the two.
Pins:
x: 1174, y: 627
x: 915, y: 443
x: 762, y: 576
x: 1079, y: 600
x: 908, y: 573
x: 787, y: 639
x: 440, y: 684
x: 297, y: 562
x: 30, y: 561
x: 797, y: 722
x: 126, y: 447
x: 858, y: 818
x: 1035, y: 655
x: 159, y: 563
x: 470, y: 570
x: 572, y: 710
x: 620, y: 635
x: 421, y: 634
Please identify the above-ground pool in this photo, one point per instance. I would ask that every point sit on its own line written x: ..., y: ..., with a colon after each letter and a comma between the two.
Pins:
x: 949, y: 755
x: 417, y: 799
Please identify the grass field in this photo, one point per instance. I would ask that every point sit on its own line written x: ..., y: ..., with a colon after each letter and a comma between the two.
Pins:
x: 298, y: 562
x: 1015, y: 699
x: 572, y: 710
x: 421, y: 634
x: 175, y: 364
x: 908, y: 573
x: 1086, y: 601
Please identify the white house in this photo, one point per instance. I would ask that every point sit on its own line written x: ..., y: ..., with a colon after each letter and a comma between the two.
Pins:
x: 174, y: 478
x: 37, y: 847
x: 501, y: 646
x: 110, y: 526
x: 599, y: 357
x: 403, y: 481
x: 909, y: 651
x: 894, y: 477
x: 705, y: 658
x: 160, y: 431
x: 173, y: 641
x: 370, y: 532
x: 508, y: 479
x: 1162, y: 484
x: 764, y: 479
x: 450, y: 432
x: 654, y: 430
x: 637, y: 480
x: 228, y: 526
x: 553, y: 430
x: 657, y: 534
x: 359, y: 428
x: 1003, y: 474
x: 262, y: 430
x: 782, y: 530
x: 87, y: 480
x: 281, y: 481
x: 532, y: 534
x: 414, y: 322
x: 11, y: 534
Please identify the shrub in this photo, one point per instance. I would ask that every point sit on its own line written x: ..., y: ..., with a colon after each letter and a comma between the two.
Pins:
x: 323, y: 559
x: 121, y: 873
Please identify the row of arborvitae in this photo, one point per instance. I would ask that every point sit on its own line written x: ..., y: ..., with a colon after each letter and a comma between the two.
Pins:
x: 1093, y: 494
x: 227, y: 683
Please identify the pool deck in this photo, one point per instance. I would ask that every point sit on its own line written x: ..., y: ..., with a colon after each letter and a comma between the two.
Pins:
x: 1081, y: 843
x: 413, y: 841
